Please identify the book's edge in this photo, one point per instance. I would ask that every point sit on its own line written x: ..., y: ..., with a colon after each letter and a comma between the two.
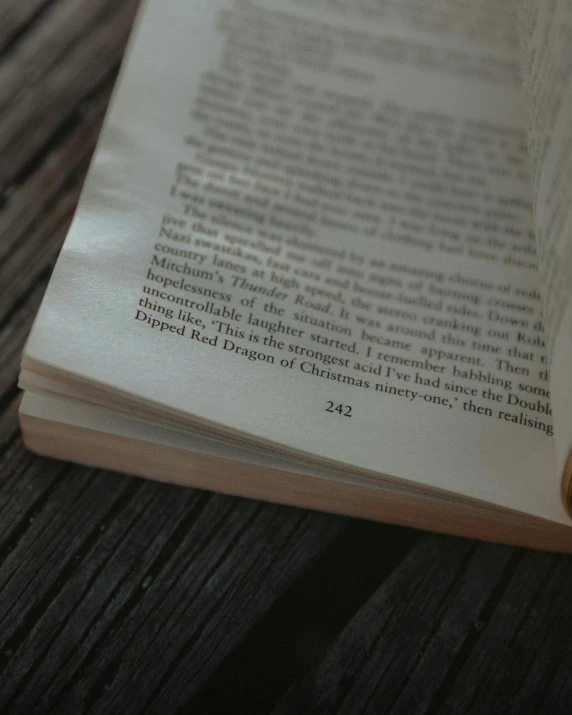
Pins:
x: 567, y: 484
x: 94, y: 394
x: 86, y: 392
x: 170, y: 464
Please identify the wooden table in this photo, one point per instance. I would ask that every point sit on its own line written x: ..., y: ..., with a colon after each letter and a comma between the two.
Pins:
x: 123, y: 596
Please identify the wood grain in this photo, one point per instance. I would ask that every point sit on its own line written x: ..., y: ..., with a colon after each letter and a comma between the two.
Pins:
x: 119, y: 595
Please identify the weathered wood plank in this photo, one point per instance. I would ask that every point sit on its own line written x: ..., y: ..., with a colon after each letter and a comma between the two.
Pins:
x: 409, y: 630
x: 556, y: 696
x: 296, y: 633
x: 35, y: 218
x: 20, y: 494
x: 25, y: 206
x: 525, y: 638
x: 8, y: 421
x: 117, y: 579
x: 30, y: 259
x: 28, y: 123
x: 16, y: 16
x: 13, y: 336
x: 456, y: 629
x: 63, y: 24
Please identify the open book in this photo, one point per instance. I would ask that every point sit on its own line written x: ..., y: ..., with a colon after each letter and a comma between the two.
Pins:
x: 323, y: 256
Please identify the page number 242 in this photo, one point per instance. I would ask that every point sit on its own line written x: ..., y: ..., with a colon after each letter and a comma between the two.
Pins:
x: 344, y: 410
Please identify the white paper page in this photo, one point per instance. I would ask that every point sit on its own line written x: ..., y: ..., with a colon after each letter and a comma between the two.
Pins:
x: 547, y: 59
x: 356, y: 191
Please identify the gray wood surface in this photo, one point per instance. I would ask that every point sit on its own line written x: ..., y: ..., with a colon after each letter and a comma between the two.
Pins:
x: 123, y: 596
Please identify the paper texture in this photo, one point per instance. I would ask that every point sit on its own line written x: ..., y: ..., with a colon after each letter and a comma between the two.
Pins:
x: 316, y: 229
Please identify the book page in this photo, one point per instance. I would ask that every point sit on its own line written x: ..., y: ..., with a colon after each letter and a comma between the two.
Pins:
x: 546, y: 38
x: 311, y: 223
